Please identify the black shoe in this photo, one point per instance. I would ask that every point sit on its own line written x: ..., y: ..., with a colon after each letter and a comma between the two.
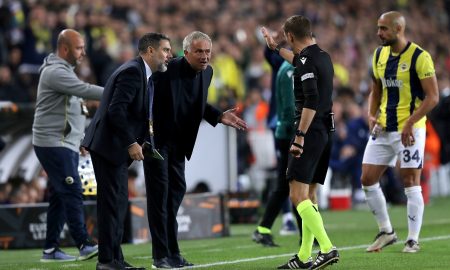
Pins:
x: 325, y: 259
x: 162, y: 263
x: 130, y: 267
x: 295, y: 263
x: 264, y: 238
x: 179, y: 261
x: 114, y: 265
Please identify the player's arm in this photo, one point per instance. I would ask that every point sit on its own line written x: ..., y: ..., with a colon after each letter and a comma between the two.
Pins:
x: 430, y: 88
x: 426, y: 73
x: 428, y: 81
x: 374, y: 102
x: 271, y: 43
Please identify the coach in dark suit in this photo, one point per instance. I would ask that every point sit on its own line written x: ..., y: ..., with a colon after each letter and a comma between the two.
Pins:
x: 179, y: 107
x: 114, y: 139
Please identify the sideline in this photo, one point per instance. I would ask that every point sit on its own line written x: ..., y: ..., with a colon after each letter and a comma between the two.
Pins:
x: 442, y: 237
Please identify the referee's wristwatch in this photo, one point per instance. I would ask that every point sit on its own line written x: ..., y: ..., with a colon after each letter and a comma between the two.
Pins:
x: 300, y: 133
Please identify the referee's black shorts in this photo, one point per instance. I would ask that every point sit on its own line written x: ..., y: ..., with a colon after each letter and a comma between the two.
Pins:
x: 311, y: 167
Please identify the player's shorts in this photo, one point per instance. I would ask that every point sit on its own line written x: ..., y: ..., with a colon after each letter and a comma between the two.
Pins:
x: 388, y: 147
x: 311, y: 167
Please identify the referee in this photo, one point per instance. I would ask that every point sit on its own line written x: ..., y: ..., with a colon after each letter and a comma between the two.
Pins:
x: 310, y: 148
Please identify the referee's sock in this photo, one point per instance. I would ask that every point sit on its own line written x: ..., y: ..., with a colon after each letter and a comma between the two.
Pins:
x: 264, y: 230
x: 313, y: 221
x: 307, y: 242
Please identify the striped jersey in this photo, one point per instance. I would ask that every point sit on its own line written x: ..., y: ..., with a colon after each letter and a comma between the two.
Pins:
x: 400, y: 76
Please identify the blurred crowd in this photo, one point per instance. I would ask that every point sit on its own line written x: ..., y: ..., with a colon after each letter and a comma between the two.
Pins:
x: 242, y: 76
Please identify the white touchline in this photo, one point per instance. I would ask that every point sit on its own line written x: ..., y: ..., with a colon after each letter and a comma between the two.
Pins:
x: 442, y: 237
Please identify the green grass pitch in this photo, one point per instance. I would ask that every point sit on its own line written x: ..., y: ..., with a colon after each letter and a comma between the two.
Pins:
x: 351, y: 231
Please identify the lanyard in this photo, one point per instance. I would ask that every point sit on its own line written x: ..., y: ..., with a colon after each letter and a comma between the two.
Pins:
x: 151, y: 91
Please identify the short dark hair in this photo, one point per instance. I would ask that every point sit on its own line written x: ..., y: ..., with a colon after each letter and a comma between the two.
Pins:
x: 150, y: 40
x: 299, y: 26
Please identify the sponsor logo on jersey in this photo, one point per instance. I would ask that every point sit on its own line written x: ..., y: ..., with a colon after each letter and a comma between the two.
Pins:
x: 303, y: 60
x: 391, y: 83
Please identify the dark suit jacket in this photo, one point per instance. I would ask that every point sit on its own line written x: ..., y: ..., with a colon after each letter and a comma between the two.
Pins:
x: 122, y: 117
x: 168, y: 90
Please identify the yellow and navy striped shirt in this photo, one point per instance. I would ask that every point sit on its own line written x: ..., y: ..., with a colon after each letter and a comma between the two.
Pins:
x: 400, y: 77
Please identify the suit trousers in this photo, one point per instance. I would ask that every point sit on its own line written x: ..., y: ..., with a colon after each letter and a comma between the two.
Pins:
x: 166, y: 186
x: 112, y: 205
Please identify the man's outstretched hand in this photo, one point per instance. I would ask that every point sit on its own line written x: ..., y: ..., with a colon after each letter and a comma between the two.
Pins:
x: 229, y: 118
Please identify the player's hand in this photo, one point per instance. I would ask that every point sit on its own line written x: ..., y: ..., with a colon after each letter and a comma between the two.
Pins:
x: 372, y: 122
x: 269, y: 38
x: 297, y: 147
x: 408, y: 135
x: 135, y: 152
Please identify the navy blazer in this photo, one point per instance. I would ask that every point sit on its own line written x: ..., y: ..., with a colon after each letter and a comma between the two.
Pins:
x: 122, y: 117
x: 168, y: 87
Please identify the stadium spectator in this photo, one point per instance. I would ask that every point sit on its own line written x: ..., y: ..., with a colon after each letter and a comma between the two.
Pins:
x: 347, y: 163
x: 404, y: 89
x: 132, y: 191
x: 343, y: 27
x: 5, y: 191
x: 2, y: 144
x: 439, y: 118
x: 58, y: 127
x: 19, y: 195
x: 10, y: 90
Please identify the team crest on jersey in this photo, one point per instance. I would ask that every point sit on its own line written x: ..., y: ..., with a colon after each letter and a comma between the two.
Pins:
x: 404, y: 67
